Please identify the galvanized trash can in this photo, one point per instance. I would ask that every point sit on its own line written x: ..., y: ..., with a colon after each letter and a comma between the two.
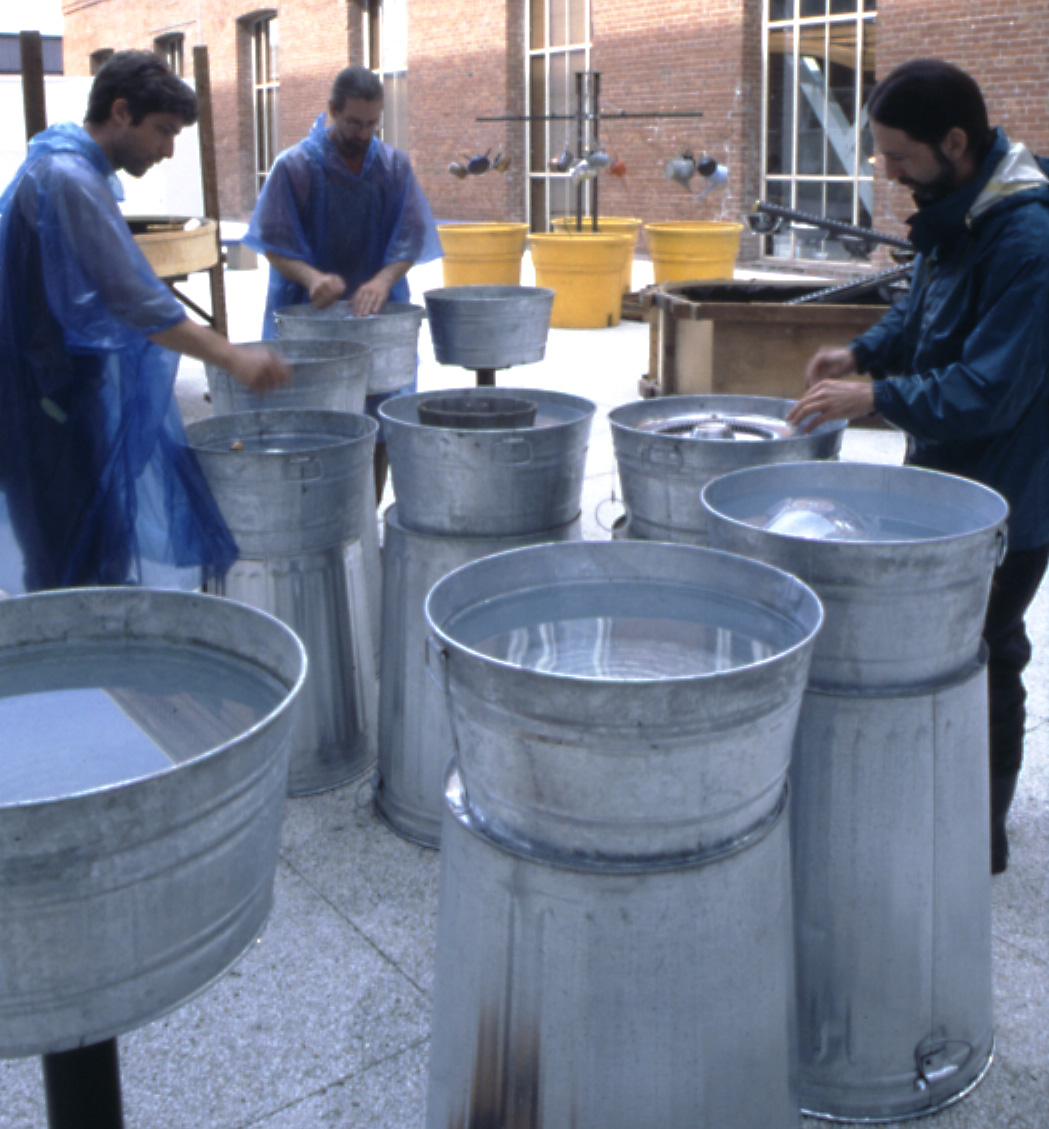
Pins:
x: 324, y: 374
x: 290, y: 485
x: 668, y: 449
x: 141, y: 794
x: 415, y: 741
x: 462, y: 493
x: 889, y: 776
x: 614, y: 941
x: 392, y: 335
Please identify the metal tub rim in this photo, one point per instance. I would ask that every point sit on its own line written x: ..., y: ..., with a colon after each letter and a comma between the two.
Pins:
x: 219, y: 604
x: 403, y: 411
x: 339, y: 427
x: 735, y: 568
x: 735, y: 480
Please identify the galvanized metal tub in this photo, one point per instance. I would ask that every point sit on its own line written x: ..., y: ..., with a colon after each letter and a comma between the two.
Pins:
x: 295, y: 500
x: 665, y: 459
x: 489, y: 327
x: 622, y: 698
x: 392, y: 335
x: 905, y: 597
x: 137, y: 856
x: 497, y: 483
x: 415, y: 740
x: 611, y: 998
x: 324, y: 374
x: 892, y: 899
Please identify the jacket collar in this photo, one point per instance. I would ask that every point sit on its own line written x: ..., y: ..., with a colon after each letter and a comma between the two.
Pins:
x: 1006, y: 171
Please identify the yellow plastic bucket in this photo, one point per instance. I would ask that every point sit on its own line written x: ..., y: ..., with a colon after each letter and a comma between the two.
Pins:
x: 585, y: 273
x: 608, y: 225
x: 482, y: 254
x: 691, y: 249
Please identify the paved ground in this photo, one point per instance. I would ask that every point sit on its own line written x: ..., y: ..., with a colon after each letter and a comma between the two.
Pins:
x: 325, y: 1021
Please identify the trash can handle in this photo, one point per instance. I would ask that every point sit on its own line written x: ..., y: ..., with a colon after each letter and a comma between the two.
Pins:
x: 303, y: 468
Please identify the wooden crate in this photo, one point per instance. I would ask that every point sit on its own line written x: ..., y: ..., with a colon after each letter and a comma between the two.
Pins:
x: 740, y: 338
x: 172, y: 249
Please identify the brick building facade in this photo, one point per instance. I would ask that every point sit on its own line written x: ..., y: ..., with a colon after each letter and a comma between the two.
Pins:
x: 466, y: 61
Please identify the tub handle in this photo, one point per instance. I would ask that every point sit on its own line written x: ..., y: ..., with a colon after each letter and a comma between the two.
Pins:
x: 512, y: 452
x: 303, y: 468
x: 1001, y: 547
x: 665, y: 454
x: 941, y: 1060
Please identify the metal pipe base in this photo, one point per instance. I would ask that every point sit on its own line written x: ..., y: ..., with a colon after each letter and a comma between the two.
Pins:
x: 82, y: 1087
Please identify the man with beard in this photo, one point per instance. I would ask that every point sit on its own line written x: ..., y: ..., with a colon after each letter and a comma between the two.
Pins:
x: 962, y: 365
x: 342, y: 214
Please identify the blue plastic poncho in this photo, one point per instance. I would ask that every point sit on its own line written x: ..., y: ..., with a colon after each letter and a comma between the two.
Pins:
x: 312, y: 207
x: 98, y: 483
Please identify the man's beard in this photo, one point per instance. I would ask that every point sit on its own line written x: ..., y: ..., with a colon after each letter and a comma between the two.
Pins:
x: 943, y: 184
x: 351, y: 146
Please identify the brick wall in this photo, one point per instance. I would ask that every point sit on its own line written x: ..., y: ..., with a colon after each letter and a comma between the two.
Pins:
x: 467, y: 60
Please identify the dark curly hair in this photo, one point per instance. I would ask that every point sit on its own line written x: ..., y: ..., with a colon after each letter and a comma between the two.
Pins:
x: 145, y: 81
x: 927, y: 98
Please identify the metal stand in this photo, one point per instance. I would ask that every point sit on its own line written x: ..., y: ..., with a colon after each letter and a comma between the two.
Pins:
x: 485, y: 377
x: 83, y: 1088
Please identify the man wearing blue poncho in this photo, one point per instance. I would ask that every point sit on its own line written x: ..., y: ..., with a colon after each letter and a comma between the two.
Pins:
x: 341, y: 214
x: 98, y: 483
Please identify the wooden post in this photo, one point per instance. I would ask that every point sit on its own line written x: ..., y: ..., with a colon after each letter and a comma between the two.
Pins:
x: 210, y: 184
x: 32, y: 52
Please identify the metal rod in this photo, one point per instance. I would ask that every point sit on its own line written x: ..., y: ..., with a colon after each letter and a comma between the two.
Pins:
x: 838, y: 227
x: 851, y: 289
x: 485, y: 377
x: 82, y: 1087
x: 31, y: 49
x: 618, y: 115
x: 580, y: 146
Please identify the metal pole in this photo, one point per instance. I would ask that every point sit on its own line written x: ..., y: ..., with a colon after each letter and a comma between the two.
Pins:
x: 32, y: 61
x: 580, y: 142
x: 82, y: 1087
x: 210, y: 183
x: 594, y: 141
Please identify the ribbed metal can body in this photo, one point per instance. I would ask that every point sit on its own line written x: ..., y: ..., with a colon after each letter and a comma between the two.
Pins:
x: 296, y: 498
x: 123, y: 899
x: 892, y: 899
x: 392, y: 335
x: 611, y: 998
x: 663, y: 468
x: 489, y: 483
x: 489, y: 327
x: 415, y: 741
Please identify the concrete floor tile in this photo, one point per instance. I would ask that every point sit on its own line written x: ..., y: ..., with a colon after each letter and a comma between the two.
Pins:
x: 389, y: 1095
x: 385, y: 885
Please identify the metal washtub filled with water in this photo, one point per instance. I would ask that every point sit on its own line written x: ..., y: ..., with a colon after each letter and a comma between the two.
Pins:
x: 392, y: 335
x: 292, y: 488
x: 472, y: 484
x: 889, y: 777
x: 142, y: 788
x: 486, y: 328
x: 324, y: 374
x: 614, y: 944
x: 668, y: 449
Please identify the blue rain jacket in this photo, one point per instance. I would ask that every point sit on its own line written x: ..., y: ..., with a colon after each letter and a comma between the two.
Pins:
x: 97, y: 483
x: 312, y: 207
x: 969, y: 347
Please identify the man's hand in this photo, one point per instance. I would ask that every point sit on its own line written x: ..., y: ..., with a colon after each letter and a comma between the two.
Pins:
x: 832, y: 399
x: 829, y: 364
x: 370, y: 296
x: 325, y: 290
x: 258, y: 369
